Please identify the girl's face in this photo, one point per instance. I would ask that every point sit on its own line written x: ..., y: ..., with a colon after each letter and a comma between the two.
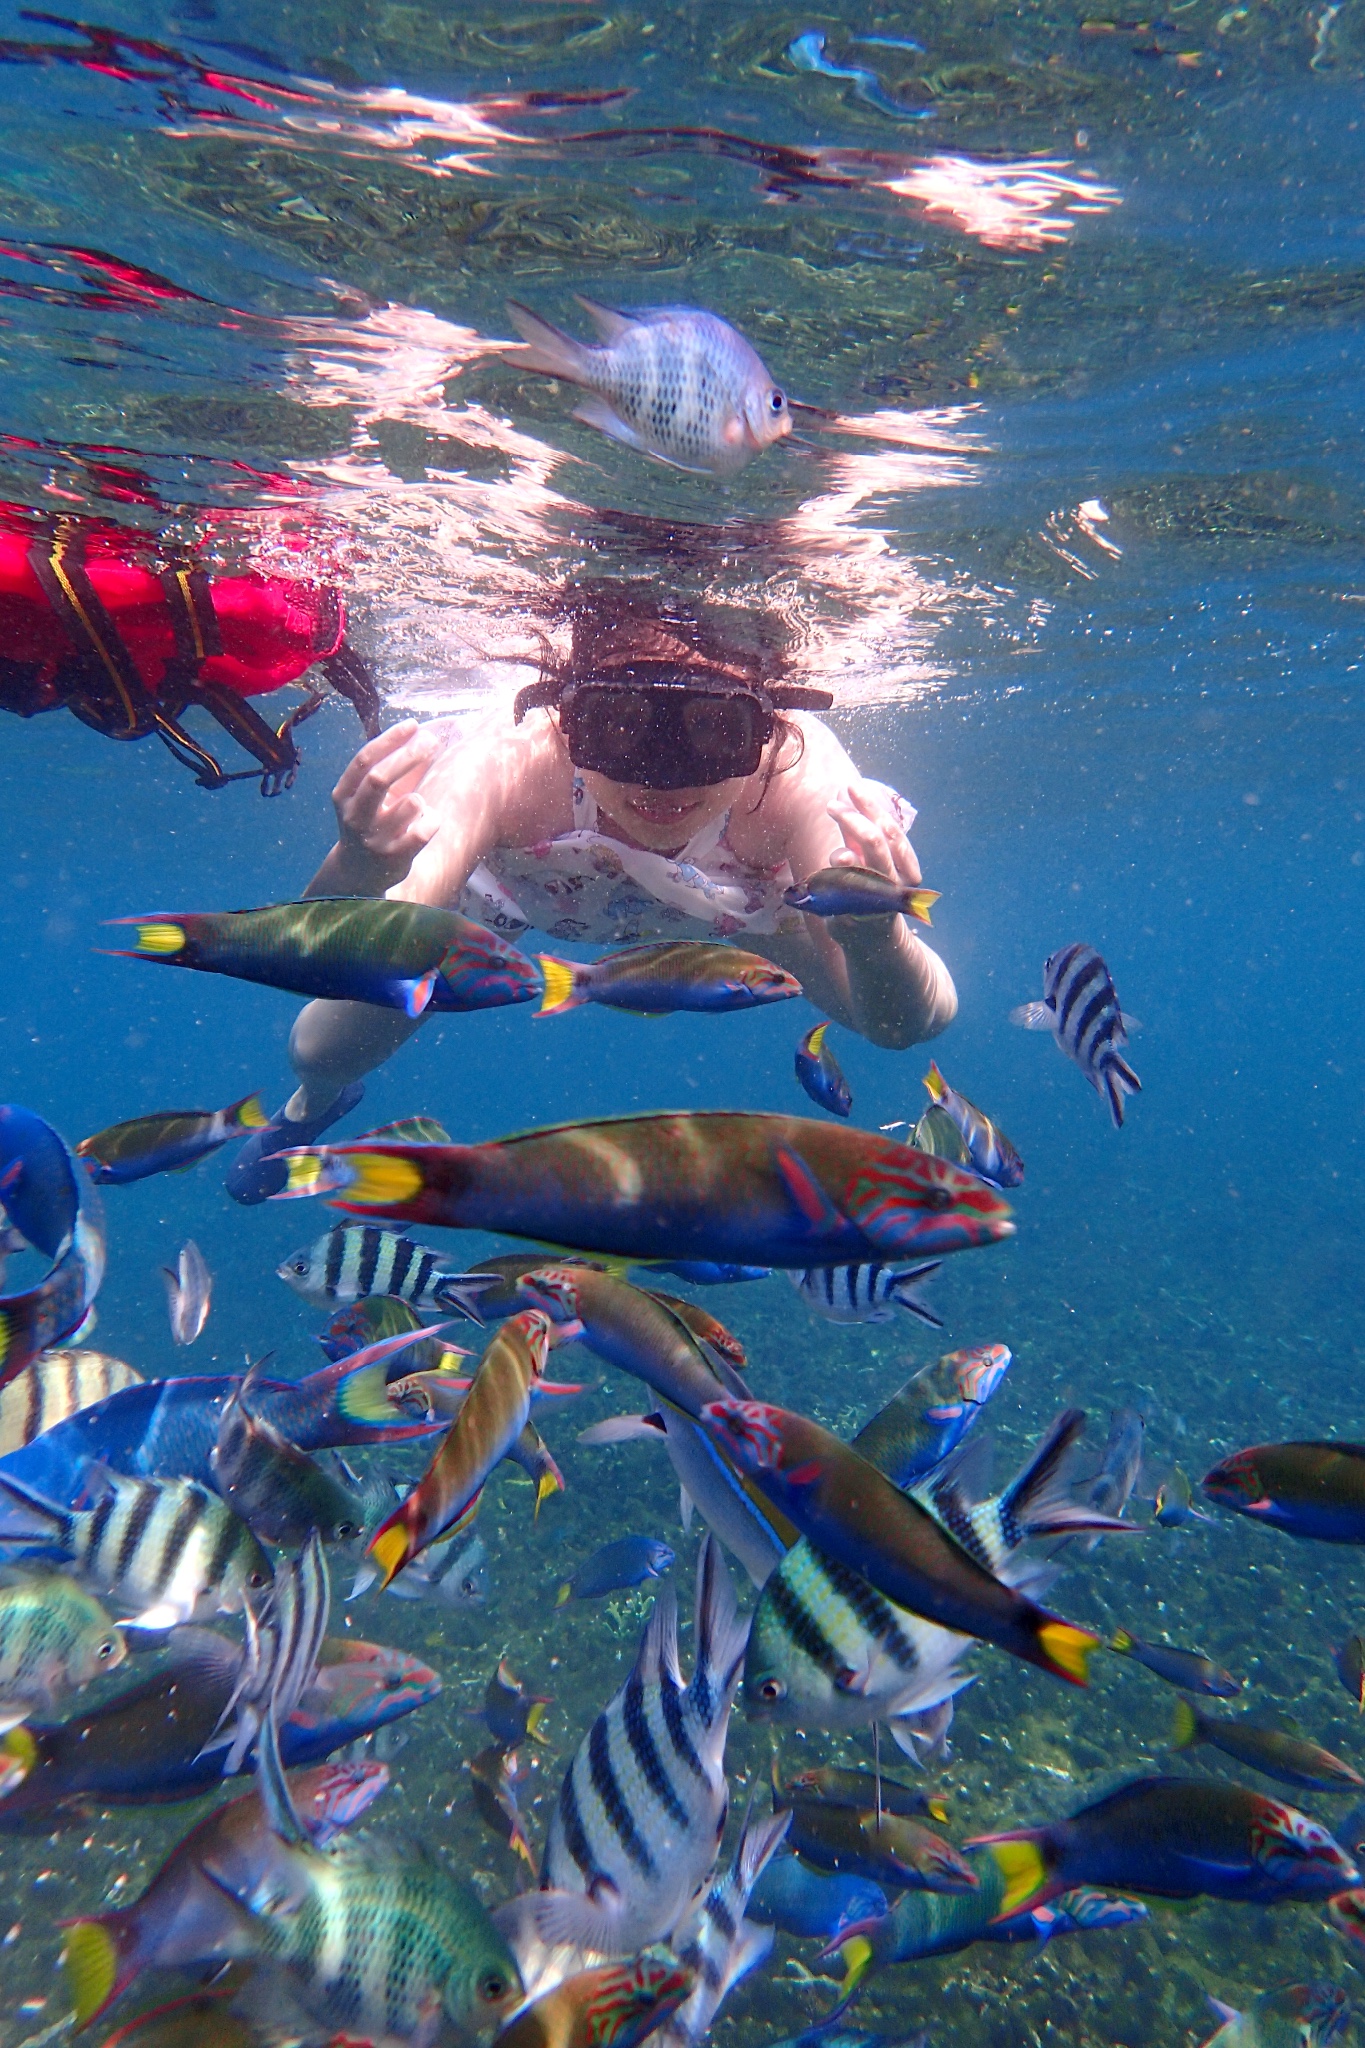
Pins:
x: 663, y: 820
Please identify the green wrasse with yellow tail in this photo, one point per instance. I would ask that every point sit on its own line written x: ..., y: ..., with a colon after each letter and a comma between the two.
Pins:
x: 168, y: 1141
x: 674, y: 974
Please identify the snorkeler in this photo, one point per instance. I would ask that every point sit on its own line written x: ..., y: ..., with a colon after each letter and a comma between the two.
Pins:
x: 91, y: 622
x: 660, y: 783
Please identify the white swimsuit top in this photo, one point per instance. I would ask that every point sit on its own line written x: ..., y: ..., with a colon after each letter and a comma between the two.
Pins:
x: 583, y: 885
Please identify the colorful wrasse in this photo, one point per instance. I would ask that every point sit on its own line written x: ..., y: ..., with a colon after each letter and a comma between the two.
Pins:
x: 634, y: 1832
x: 435, y: 1967
x: 54, y: 1638
x: 168, y: 1429
x: 1081, y: 1010
x: 855, y: 1516
x: 989, y: 1151
x: 362, y: 949
x: 924, y: 1924
x: 625, y: 1561
x: 798, y: 1900
x: 55, y: 1386
x: 203, y: 2020
x: 863, y: 1789
x: 715, y: 1940
x: 189, y: 1291
x: 1270, y: 1750
x: 632, y: 1330
x: 927, y: 1418
x: 376, y: 1316
x: 1314, y: 1489
x: 494, y: 1414
x: 1294, y: 2016
x: 1175, y: 1838
x: 885, y: 1847
x: 618, y: 2005
x: 867, y: 1294
x: 149, y: 1742
x: 1185, y: 1668
x: 675, y: 974
x: 820, y: 1073
x: 355, y: 1261
x: 182, y: 1919
x: 680, y: 385
x: 52, y: 1203
x: 859, y: 892
x: 167, y: 1548
x: 706, y: 1328
x: 724, y: 1185
x: 167, y: 1141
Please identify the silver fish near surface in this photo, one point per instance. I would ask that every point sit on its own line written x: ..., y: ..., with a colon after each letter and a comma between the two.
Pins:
x: 715, y: 1940
x: 641, y: 1811
x: 680, y: 385
x: 356, y: 1260
x: 1081, y: 1009
x: 168, y: 1548
x: 189, y: 1291
x: 866, y: 1294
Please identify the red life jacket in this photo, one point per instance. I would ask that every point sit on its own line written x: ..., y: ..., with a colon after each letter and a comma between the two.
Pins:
x: 87, y: 621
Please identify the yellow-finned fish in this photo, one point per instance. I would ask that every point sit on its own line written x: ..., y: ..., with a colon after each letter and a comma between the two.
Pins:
x: 167, y: 1141
x: 675, y: 974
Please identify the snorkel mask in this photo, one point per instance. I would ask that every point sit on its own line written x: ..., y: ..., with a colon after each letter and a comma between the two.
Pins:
x: 664, y: 730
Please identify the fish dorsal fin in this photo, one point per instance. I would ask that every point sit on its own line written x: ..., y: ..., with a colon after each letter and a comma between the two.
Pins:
x: 610, y: 325
x: 657, y: 1657
x: 720, y: 1637
x: 1040, y: 1478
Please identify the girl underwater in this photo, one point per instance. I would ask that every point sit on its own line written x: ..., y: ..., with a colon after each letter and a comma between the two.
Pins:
x: 662, y: 782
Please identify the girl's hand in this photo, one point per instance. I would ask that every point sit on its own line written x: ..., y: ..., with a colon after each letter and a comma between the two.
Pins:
x: 872, y: 839
x: 379, y: 813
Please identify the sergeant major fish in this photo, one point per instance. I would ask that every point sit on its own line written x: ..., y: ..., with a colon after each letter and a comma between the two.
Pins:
x: 167, y: 1547
x: 57, y: 1385
x: 356, y: 1260
x: 679, y: 385
x: 54, y: 1638
x: 1081, y: 1010
x: 866, y: 1294
x: 641, y: 1809
x: 715, y: 1940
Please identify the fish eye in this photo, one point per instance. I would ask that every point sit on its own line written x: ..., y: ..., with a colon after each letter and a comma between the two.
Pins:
x: 299, y: 1266
x: 468, y: 1588
x: 492, y: 1987
x: 257, y: 1580
x: 106, y: 1650
x: 772, y: 1690
x: 777, y: 400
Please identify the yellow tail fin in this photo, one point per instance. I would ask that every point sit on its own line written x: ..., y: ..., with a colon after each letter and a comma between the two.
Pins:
x: 920, y: 903
x: 248, y: 1114
x: 857, y: 1954
x: 390, y: 1551
x: 90, y: 1961
x: 20, y: 1745
x: 545, y: 1486
x: 938, y: 1810
x: 1122, y: 1642
x: 160, y: 938
x: 1185, y: 1731
x: 1068, y: 1650
x: 379, y: 1180
x: 561, y: 987
x: 534, y: 1719
x: 935, y: 1082
x: 1023, y: 1869
x: 562, y: 1595
x: 815, y: 1040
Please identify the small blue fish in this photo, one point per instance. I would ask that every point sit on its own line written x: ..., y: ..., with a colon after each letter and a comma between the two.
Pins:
x: 805, y: 1902
x: 706, y: 1273
x: 628, y: 1561
x: 820, y: 1073
x: 807, y: 53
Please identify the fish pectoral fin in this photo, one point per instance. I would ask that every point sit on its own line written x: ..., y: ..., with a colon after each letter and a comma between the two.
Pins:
x: 12, y: 1714
x: 595, y: 412
x: 812, y: 1203
x: 1034, y: 1017
x: 579, y: 1919
x: 161, y: 1616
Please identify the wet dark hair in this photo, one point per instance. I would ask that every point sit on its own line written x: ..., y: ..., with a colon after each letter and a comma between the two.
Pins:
x: 626, y: 631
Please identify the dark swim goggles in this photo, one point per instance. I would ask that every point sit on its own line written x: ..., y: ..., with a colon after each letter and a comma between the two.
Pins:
x: 675, y: 732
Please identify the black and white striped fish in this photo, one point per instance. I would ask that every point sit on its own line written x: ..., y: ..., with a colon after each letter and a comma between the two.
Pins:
x: 1037, y: 1502
x: 1081, y: 1009
x: 358, y: 1259
x: 715, y: 1940
x: 55, y: 1386
x: 641, y: 1811
x: 169, y: 1549
x: 866, y: 1294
